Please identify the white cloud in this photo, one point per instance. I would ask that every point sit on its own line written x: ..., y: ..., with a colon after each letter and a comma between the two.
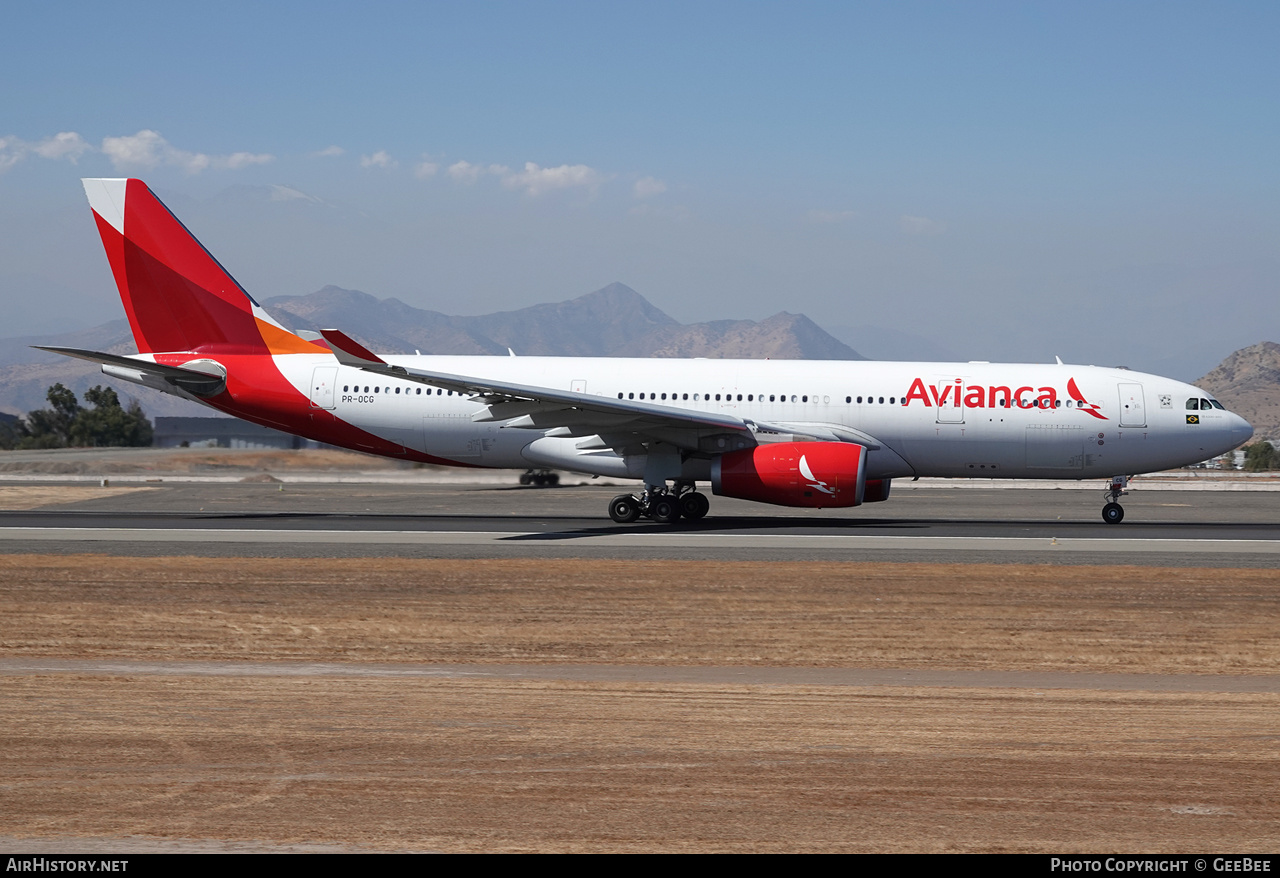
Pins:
x: 64, y: 145
x: 238, y: 160
x: 831, y: 216
x: 145, y: 148
x: 535, y: 180
x: 148, y: 149
x: 920, y: 225
x: 425, y: 168
x: 380, y: 159
x: 647, y: 187
x: 465, y: 172
x: 330, y: 152
x: 12, y: 151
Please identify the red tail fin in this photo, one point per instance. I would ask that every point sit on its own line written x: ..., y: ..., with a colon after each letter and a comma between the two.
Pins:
x: 177, y: 296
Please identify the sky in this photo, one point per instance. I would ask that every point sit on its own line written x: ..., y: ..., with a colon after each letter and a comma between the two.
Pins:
x: 980, y: 181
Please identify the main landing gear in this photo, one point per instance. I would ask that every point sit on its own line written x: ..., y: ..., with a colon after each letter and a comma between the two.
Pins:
x: 542, y: 478
x: 663, y: 505
x: 1113, y: 512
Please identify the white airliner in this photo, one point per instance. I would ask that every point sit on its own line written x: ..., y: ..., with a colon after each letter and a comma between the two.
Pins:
x: 792, y: 433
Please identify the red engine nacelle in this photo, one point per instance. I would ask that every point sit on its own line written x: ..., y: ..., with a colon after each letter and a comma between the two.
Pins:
x: 817, y: 474
x: 877, y: 490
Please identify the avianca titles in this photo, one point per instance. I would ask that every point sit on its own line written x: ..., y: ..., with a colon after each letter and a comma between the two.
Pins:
x: 815, y: 434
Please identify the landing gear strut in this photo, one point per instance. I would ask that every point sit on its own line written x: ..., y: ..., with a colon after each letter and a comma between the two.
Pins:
x: 1113, y: 512
x: 661, y: 504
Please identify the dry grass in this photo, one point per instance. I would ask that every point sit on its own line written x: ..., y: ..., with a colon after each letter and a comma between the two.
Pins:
x: 939, y: 616
x: 16, y: 497
x: 431, y: 763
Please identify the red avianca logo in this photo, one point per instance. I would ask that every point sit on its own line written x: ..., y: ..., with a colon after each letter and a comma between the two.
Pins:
x: 977, y: 396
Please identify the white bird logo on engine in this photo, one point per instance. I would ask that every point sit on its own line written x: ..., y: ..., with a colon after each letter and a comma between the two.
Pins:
x: 814, y: 482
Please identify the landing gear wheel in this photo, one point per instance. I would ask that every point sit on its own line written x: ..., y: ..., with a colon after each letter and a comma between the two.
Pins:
x: 664, y: 510
x: 693, y: 506
x: 624, y: 509
x: 1113, y: 513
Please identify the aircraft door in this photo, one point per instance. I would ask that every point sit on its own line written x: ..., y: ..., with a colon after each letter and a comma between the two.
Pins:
x: 950, y: 395
x: 1133, y: 412
x: 323, y: 379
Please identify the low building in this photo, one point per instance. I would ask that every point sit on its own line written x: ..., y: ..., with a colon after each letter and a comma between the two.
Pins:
x: 222, y: 433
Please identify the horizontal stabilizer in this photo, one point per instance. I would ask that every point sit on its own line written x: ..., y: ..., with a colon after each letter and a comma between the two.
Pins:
x: 208, y: 380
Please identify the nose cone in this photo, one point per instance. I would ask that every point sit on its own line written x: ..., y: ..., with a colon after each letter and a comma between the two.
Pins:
x: 1241, y: 430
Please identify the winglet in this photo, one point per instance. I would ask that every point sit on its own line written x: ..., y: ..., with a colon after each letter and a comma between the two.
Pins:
x: 349, y: 351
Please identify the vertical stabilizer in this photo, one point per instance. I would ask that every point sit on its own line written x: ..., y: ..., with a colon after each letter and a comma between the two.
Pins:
x: 176, y: 295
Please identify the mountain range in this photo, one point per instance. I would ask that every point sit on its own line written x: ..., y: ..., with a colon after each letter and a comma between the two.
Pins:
x: 615, y: 321
x: 1248, y: 383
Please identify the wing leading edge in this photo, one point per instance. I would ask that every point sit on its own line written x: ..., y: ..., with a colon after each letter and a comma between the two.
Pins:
x: 623, y: 425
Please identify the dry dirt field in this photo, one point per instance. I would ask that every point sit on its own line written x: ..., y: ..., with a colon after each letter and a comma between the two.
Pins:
x: 224, y: 738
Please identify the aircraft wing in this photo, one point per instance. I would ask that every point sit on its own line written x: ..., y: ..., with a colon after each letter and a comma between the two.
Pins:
x: 623, y: 425
x: 207, y: 380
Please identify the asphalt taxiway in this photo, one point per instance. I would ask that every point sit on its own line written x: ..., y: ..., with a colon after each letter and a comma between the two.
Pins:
x: 972, y: 524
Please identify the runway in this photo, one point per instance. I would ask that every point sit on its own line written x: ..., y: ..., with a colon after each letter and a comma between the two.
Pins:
x: 488, y: 667
x: 1174, y: 528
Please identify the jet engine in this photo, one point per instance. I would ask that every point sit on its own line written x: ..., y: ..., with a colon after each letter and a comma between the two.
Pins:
x: 816, y: 474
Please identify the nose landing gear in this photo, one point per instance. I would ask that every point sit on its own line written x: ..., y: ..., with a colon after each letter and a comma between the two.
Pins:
x: 1113, y: 512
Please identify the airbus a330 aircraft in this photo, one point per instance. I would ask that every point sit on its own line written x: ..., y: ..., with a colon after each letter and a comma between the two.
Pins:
x: 793, y: 433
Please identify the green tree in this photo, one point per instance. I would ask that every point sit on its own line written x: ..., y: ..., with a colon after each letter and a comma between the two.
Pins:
x: 65, y: 423
x: 51, y: 427
x: 12, y: 431
x: 1260, y: 457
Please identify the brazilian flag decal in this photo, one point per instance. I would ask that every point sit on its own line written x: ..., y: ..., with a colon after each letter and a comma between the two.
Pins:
x: 1193, y: 419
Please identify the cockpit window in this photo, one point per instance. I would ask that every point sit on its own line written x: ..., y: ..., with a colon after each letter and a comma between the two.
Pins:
x: 1193, y: 405
x: 1217, y: 404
